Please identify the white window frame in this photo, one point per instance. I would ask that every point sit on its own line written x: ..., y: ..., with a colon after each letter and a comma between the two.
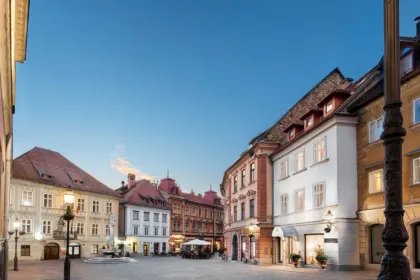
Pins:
x: 47, y: 197
x: 323, y: 139
x: 136, y: 215
x: 146, y: 230
x: 135, y: 230
x: 303, y: 200
x: 25, y: 225
x: 307, y: 121
x: 95, y: 249
x: 80, y: 228
x: 329, y: 104
x: 378, y: 137
x: 81, y: 204
x: 416, y: 164
x: 156, y: 229
x: 286, y: 162
x: 164, y: 231
x: 154, y: 217
x: 46, y: 227
x: 284, y: 200
x: 95, y: 229
x: 31, y: 202
x: 107, y: 230
x: 414, y: 110
x: 303, y: 160
x: 315, y: 194
x: 165, y: 218
x: 108, y: 207
x: 95, y: 206
x: 370, y: 187
x: 146, y: 214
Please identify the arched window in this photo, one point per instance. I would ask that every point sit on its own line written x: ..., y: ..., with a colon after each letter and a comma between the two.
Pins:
x: 376, y: 248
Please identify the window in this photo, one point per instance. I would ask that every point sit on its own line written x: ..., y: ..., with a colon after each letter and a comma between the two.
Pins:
x: 108, y: 207
x: 146, y: 230
x: 156, y: 217
x: 205, y: 214
x: 94, y: 249
x: 193, y: 226
x: 299, y: 161
x: 156, y: 231
x: 243, y: 179
x: 376, y: 181
x: 164, y: 231
x: 252, y: 173
x: 135, y: 215
x: 95, y: 228
x: 309, y: 121
x: 186, y: 210
x: 80, y: 228
x: 329, y: 107
x: 376, y: 129
x: 46, y: 227
x: 81, y: 204
x: 416, y: 110
x: 25, y: 250
x: 135, y: 230
x: 199, y: 212
x: 416, y: 171
x: 27, y: 197
x: 235, y: 184
x: 146, y: 216
x: 164, y: 217
x: 27, y: 226
x: 252, y: 247
x: 377, y: 250
x: 300, y: 196
x: 243, y: 211
x: 320, y: 150
x: 10, y: 196
x: 95, y: 206
x: 319, y: 195
x: 251, y: 208
x: 47, y: 200
x: 283, y: 204
x: 235, y: 213
x: 291, y: 133
x: 283, y: 169
x: 107, y: 230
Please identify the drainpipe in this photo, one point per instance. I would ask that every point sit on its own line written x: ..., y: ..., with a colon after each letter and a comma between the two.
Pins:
x: 272, y: 206
x: 8, y: 175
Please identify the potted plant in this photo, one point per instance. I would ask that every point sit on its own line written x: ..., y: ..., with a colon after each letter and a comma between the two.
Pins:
x: 295, y: 258
x: 321, y: 258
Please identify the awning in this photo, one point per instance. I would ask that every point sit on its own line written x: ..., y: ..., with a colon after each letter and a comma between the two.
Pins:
x: 285, y: 231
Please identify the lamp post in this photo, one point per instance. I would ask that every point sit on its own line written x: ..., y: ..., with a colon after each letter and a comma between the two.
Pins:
x: 16, y: 232
x: 394, y: 264
x: 68, y: 216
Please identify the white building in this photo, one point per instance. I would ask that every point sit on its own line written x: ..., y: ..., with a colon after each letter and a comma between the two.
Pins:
x: 315, y: 175
x: 144, y: 218
x: 40, y: 179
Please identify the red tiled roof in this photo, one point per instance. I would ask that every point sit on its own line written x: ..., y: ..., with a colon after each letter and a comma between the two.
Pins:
x: 292, y: 125
x: 312, y: 111
x: 337, y: 92
x: 144, y: 193
x: 63, y: 173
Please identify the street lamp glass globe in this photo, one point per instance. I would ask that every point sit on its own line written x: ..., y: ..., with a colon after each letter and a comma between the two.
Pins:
x: 69, y: 198
x: 16, y: 224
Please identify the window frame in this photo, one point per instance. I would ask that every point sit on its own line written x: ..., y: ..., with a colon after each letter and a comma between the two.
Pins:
x: 243, y: 211
x: 307, y: 121
x: 156, y: 230
x: 252, y: 172
x: 107, y: 230
x: 48, y: 225
x: 376, y: 127
x: 47, y: 197
x: 108, y: 207
x: 235, y: 213
x: 95, y: 249
x: 95, y: 206
x: 146, y: 231
x: 27, y: 196
x: 81, y: 202
x: 243, y: 178
x: 154, y: 217
x: 146, y: 214
x: 286, y: 161
x: 164, y: 218
x: 95, y: 229
x: 24, y: 248
x: 235, y: 183
x: 80, y: 226
x: 328, y: 104
x: 252, y: 208
x: 414, y: 110
x: 24, y: 225
x: 323, y: 139
x: 414, y: 171
x: 382, y: 177
x: 135, y: 230
x: 303, y: 160
x: 284, y: 207
x: 303, y: 200
x: 314, y: 193
x: 164, y: 231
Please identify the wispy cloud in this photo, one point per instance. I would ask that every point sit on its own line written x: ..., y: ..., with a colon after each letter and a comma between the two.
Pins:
x: 122, y: 165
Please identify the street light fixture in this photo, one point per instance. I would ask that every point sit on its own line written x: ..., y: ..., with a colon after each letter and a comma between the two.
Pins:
x: 16, y: 232
x: 394, y: 264
x: 68, y: 216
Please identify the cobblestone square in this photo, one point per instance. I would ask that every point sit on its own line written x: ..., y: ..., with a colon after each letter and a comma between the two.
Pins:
x: 176, y: 268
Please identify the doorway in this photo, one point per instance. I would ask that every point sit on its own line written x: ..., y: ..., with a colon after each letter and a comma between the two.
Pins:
x: 156, y: 248
x: 243, y: 247
x: 51, y: 251
x: 121, y: 247
x: 145, y: 249
x: 74, y: 251
x: 417, y: 245
x: 235, y: 248
x: 376, y: 249
x: 279, y: 250
x: 135, y: 247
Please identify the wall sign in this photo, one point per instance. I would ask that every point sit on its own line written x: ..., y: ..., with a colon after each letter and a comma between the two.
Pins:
x: 331, y: 240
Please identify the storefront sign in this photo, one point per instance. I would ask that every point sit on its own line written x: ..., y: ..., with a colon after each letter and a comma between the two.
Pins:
x: 331, y: 240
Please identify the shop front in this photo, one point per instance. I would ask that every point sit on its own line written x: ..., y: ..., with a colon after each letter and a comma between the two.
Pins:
x: 175, y: 242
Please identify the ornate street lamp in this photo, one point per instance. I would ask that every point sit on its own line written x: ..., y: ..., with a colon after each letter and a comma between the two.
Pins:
x: 68, y: 216
x: 16, y: 232
x: 394, y: 264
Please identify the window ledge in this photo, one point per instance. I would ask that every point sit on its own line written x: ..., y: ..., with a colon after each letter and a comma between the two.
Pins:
x: 375, y: 193
x: 415, y: 185
x: 250, y: 183
x: 281, y: 179
x: 375, y: 143
x: 415, y: 126
x: 320, y: 162
x: 304, y: 169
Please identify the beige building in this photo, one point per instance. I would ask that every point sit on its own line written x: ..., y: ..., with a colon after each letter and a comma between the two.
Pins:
x: 40, y: 179
x: 13, y: 34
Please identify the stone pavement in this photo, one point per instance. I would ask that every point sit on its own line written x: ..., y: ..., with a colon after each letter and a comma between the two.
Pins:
x: 175, y: 268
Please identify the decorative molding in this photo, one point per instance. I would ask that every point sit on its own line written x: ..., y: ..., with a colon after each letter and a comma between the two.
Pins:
x: 251, y: 192
x: 242, y: 196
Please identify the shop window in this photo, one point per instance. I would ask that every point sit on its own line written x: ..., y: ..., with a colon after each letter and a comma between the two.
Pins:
x: 313, y: 242
x: 25, y: 250
x: 376, y: 249
x: 252, y: 245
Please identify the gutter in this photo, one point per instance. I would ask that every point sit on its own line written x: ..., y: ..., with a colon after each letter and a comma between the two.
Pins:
x: 8, y: 175
x: 272, y: 205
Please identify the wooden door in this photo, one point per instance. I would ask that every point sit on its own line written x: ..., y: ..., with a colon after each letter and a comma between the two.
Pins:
x: 51, y: 252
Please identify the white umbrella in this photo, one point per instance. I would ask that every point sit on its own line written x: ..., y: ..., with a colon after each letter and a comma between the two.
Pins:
x: 197, y: 242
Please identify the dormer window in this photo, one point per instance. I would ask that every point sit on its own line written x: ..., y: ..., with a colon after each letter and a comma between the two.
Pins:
x: 309, y: 121
x: 291, y: 134
x: 328, y: 107
x: 46, y: 176
x: 79, y: 182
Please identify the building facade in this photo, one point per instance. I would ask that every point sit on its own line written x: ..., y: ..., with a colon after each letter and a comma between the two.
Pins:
x: 40, y: 179
x: 14, y: 16
x: 145, y: 218
x: 368, y: 106
x: 193, y: 216
x: 248, y: 181
x: 315, y: 188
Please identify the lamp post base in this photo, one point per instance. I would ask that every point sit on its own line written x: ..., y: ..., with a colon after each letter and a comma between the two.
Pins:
x: 15, y: 264
x: 67, y: 268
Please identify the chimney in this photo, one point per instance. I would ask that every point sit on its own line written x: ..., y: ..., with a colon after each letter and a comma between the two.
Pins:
x: 416, y: 50
x: 122, y: 183
x: 131, y: 180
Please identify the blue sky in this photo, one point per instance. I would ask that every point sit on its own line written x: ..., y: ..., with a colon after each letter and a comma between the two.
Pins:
x: 181, y: 85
